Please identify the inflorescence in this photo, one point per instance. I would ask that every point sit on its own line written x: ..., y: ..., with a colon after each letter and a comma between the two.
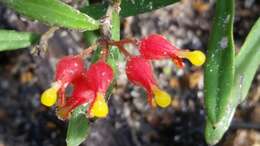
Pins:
x: 90, y: 85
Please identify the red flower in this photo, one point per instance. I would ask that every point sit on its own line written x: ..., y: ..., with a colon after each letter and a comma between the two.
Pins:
x: 157, y: 47
x: 81, y: 95
x: 67, y: 69
x: 99, y: 77
x: 139, y: 71
x: 90, y: 87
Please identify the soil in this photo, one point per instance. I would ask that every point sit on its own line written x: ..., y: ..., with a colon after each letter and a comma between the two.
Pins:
x: 23, y: 77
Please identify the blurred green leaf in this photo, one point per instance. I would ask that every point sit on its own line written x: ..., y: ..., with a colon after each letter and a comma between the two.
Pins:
x: 128, y: 7
x: 11, y: 40
x: 78, y: 128
x: 247, y: 61
x: 90, y: 37
x: 53, y: 12
x: 219, y: 71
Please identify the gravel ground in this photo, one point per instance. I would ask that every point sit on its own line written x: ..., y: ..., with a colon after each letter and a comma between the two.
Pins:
x: 24, y: 122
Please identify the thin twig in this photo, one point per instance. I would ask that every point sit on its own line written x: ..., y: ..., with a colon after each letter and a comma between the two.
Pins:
x: 42, y: 48
x: 87, y: 51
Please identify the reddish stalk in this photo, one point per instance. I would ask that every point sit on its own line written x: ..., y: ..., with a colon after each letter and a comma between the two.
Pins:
x: 87, y: 51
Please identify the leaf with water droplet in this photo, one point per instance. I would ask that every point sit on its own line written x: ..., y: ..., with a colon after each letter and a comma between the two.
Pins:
x: 11, y: 40
x: 219, y: 71
x: 53, y: 12
x: 246, y: 65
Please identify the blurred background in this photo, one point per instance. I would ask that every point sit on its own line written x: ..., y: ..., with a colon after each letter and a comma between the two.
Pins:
x: 23, y: 76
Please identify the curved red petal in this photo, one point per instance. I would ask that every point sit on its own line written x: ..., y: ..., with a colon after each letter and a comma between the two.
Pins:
x: 156, y: 47
x: 99, y: 76
x: 139, y: 71
x: 68, y: 68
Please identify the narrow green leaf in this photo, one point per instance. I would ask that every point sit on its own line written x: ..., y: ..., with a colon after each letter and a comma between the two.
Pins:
x: 78, y: 128
x: 53, y: 12
x: 219, y: 69
x: 247, y: 61
x: 214, y: 133
x: 11, y: 40
x: 128, y: 7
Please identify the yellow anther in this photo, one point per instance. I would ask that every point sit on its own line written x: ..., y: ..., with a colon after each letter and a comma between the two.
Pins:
x: 162, y: 98
x: 100, y: 107
x: 49, y: 96
x: 197, y: 58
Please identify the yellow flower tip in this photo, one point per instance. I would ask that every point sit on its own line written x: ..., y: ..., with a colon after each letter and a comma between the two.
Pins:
x: 100, y: 108
x: 49, y: 96
x: 197, y: 58
x: 162, y: 98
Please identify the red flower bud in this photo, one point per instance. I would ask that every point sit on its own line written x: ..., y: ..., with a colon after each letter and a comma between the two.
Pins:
x: 99, y: 77
x: 139, y: 71
x: 157, y: 47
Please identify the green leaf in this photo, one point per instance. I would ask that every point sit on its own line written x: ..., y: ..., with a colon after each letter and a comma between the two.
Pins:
x: 90, y: 37
x: 78, y: 128
x: 219, y: 69
x: 11, y: 40
x: 214, y: 133
x: 53, y: 12
x: 247, y: 61
x: 128, y: 7
x: 246, y: 65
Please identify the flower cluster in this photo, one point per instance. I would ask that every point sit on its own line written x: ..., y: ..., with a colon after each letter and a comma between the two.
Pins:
x: 90, y: 85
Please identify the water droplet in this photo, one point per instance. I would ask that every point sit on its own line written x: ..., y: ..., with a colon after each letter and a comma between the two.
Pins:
x: 226, y: 19
x: 224, y: 42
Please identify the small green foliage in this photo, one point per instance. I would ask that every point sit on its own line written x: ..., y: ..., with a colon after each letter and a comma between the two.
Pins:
x: 53, y: 12
x: 11, y: 40
x: 78, y: 128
